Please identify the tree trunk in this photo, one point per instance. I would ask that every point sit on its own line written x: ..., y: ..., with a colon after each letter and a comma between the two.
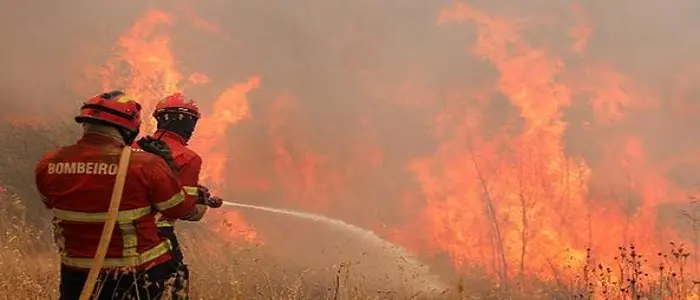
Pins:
x: 495, y: 230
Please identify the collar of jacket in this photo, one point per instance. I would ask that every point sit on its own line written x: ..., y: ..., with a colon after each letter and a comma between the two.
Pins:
x: 95, y: 137
x: 170, y: 135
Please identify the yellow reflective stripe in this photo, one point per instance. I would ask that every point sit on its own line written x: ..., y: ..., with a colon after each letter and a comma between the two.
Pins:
x: 190, y: 190
x: 132, y: 261
x: 160, y: 222
x: 130, y: 239
x: 165, y: 223
x: 172, y: 202
x: 124, y: 215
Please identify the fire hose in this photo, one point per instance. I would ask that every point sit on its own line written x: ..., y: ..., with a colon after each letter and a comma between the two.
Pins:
x: 113, y: 212
x: 110, y: 223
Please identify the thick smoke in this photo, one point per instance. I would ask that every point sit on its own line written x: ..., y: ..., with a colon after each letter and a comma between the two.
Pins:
x: 352, y: 90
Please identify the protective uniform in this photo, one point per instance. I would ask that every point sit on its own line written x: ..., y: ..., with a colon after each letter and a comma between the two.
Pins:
x: 76, y: 182
x: 177, y: 116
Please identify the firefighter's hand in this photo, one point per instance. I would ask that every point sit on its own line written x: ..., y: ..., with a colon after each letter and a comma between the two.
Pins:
x: 158, y: 147
x: 215, y: 202
x: 203, y: 191
x: 202, y: 195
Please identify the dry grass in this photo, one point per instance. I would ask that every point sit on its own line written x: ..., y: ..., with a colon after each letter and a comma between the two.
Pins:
x: 25, y: 274
x: 223, y: 268
x: 220, y: 270
x: 235, y: 270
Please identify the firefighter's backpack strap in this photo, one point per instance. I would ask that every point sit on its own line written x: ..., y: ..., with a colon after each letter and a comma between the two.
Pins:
x: 110, y: 222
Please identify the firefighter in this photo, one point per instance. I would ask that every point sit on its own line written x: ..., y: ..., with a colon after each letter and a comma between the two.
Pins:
x: 76, y: 182
x: 177, y: 117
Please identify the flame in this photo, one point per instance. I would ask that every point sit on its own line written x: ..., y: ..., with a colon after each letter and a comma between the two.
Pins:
x: 508, y: 178
x: 314, y: 171
x: 230, y: 108
x: 515, y: 201
x: 148, y: 60
x: 145, y: 66
x: 532, y: 166
x: 301, y: 171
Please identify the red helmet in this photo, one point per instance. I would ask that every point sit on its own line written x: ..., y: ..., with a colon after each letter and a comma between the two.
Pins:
x: 177, y: 103
x: 114, y: 108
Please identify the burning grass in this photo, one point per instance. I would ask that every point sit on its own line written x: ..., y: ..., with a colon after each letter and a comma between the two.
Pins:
x: 226, y: 270
x: 226, y: 267
x: 221, y: 270
x: 531, y: 142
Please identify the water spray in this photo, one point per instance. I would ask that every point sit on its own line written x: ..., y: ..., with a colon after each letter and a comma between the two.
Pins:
x: 433, y: 282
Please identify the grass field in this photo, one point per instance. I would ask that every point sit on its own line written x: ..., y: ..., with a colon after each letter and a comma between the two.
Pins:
x: 225, y: 268
x: 237, y: 270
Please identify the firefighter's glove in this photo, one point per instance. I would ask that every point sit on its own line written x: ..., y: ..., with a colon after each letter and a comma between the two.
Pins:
x: 215, y: 202
x: 203, y: 191
x: 158, y: 147
x: 202, y: 195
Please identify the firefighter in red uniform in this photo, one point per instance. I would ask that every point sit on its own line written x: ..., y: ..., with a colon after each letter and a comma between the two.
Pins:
x: 76, y: 182
x: 177, y: 117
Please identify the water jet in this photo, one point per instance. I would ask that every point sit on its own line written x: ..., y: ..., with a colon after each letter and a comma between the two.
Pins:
x: 398, y: 267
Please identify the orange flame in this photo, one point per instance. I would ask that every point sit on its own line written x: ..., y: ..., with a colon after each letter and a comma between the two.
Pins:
x: 494, y: 199
x: 518, y: 192
x: 145, y: 66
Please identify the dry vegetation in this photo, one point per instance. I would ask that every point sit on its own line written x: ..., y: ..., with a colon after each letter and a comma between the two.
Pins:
x: 227, y: 269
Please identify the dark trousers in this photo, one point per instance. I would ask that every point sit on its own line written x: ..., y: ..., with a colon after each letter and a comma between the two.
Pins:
x: 150, y: 284
x: 181, y: 284
x: 168, y: 232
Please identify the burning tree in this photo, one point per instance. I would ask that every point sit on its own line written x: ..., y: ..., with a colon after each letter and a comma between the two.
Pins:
x: 502, y: 138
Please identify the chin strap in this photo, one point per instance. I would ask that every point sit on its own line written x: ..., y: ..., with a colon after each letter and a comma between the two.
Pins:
x: 128, y: 135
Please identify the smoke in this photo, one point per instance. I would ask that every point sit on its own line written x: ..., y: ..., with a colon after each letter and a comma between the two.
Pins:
x: 353, y: 91
x: 47, y: 47
x: 315, y: 47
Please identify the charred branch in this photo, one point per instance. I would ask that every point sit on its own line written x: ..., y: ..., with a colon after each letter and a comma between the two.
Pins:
x: 490, y: 210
